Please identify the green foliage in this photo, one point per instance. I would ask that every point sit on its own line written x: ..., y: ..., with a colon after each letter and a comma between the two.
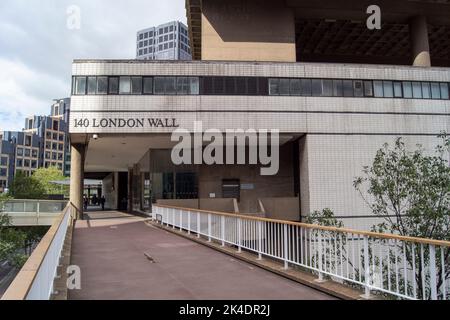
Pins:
x: 324, y: 218
x: 12, y: 243
x: 409, y: 190
x: 24, y: 187
x: 38, y: 185
x: 46, y: 175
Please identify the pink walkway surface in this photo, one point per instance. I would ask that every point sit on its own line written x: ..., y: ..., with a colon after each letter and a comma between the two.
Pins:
x: 113, y: 251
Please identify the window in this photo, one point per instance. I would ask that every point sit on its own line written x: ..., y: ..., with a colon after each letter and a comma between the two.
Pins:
x: 125, y: 85
x: 182, y: 85
x: 398, y: 89
x: 316, y: 87
x: 33, y: 164
x: 358, y: 89
x: 20, y: 152
x: 435, y: 91
x: 407, y: 89
x: 306, y: 87
x: 166, y: 38
x: 388, y: 89
x: 296, y: 88
x: 102, y: 85
x: 327, y: 88
x: 337, y: 88
x: 26, y: 163
x: 218, y: 85
x: 417, y: 90
x: 34, y: 153
x: 148, y: 85
x: 444, y: 91
x: 28, y: 141
x: 368, y: 89
x: 145, y: 43
x: 378, y: 89
x: 113, y: 85
x: 60, y: 147
x: 80, y: 85
x: 348, y: 88
x: 136, y: 85
x: 60, y: 156
x: 194, y: 85
x: 426, y: 92
x: 141, y: 36
x: 284, y: 87
x: 3, y: 172
x: 55, y: 127
x: 27, y: 152
x: 4, y: 161
x: 92, y: 85
x: 55, y: 136
x: 19, y: 163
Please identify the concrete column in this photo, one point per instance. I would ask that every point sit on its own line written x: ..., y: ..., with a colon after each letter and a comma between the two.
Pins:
x: 77, y: 177
x: 419, y: 40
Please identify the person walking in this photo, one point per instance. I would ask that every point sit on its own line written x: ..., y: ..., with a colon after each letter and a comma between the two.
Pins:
x: 102, y: 201
x: 85, y: 202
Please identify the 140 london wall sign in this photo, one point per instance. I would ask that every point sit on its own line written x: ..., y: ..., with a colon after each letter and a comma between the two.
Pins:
x: 125, y: 123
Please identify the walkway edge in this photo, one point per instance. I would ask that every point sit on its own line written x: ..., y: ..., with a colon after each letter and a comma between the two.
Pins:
x: 329, y: 287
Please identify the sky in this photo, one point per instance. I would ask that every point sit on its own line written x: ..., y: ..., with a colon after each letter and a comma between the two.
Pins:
x: 39, y: 40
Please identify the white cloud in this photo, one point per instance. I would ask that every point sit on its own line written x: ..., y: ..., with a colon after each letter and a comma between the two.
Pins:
x: 37, y: 48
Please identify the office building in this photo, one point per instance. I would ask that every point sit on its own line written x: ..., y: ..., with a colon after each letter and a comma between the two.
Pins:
x: 169, y: 41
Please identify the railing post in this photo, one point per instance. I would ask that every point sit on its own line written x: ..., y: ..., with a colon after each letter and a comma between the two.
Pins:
x: 209, y: 227
x: 320, y: 255
x: 366, y: 268
x: 38, y: 211
x: 198, y: 225
x: 433, y: 288
x: 173, y: 219
x: 189, y: 222
x: 285, y: 245
x: 181, y: 219
x: 259, y: 240
x: 222, y: 223
x: 239, y: 222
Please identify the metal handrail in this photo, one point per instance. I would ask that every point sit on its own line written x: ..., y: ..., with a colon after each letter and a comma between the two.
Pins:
x: 35, y: 280
x: 405, y: 267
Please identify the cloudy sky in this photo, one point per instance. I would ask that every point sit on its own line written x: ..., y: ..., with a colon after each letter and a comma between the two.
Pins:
x: 37, y: 46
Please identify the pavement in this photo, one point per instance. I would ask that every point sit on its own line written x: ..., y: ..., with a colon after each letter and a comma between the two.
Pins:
x: 122, y: 258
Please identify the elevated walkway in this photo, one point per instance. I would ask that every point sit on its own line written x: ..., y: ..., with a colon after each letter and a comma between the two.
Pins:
x: 121, y: 257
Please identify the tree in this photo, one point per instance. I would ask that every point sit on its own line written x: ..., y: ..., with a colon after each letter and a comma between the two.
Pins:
x: 25, y: 187
x: 12, y: 241
x: 46, y: 175
x: 410, y: 191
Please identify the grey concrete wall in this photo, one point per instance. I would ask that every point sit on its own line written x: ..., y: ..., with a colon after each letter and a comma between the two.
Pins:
x: 283, y: 208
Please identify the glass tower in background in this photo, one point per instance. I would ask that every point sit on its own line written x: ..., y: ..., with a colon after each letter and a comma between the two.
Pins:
x: 168, y: 41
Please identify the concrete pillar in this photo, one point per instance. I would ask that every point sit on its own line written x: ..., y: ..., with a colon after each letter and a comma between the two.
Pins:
x: 419, y: 40
x: 77, y: 177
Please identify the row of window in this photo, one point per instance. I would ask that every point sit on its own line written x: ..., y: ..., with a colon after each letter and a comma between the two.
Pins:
x: 21, y: 152
x: 259, y: 86
x: 25, y: 163
x: 136, y: 85
x: 359, y: 88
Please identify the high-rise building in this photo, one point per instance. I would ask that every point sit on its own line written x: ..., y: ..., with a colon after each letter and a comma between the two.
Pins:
x: 44, y: 142
x: 169, y: 41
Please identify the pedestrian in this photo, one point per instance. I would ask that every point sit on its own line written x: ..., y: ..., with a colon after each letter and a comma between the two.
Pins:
x: 85, y: 202
x: 102, y: 201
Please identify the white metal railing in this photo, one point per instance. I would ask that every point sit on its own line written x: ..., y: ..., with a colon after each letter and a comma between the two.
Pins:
x: 33, y: 212
x: 405, y: 267
x: 42, y: 264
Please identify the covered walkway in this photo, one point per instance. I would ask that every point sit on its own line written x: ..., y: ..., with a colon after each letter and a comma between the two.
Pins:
x: 121, y: 257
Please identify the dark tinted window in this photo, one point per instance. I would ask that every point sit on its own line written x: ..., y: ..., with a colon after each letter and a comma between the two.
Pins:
x: 316, y: 87
x: 337, y: 88
x: 368, y: 89
x: 102, y: 85
x: 358, y: 89
x: 92, y: 85
x: 306, y: 87
x: 113, y: 85
x: 398, y: 90
x: 348, y: 88
x: 148, y: 85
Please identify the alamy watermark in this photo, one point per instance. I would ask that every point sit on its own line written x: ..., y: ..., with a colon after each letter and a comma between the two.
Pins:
x: 213, y: 146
